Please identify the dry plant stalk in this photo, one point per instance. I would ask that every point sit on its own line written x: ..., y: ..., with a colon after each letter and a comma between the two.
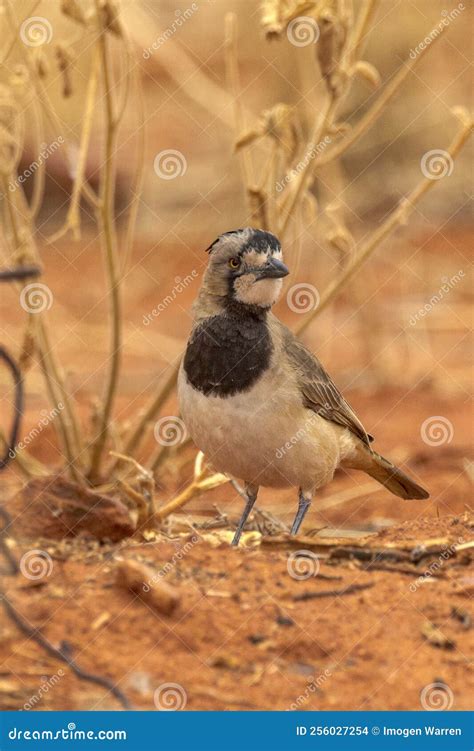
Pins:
x: 337, y: 56
x: 26, y: 82
x: 201, y: 482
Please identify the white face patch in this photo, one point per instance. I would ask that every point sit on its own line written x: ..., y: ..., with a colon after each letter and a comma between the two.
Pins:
x: 255, y: 259
x: 264, y: 292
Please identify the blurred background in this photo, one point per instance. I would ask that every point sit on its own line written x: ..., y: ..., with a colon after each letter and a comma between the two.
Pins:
x: 132, y: 134
x: 182, y: 119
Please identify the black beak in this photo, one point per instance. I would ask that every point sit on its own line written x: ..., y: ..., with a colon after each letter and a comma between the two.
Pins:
x: 273, y: 269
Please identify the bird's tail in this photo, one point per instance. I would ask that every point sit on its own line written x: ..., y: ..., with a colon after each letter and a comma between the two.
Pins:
x: 393, y: 478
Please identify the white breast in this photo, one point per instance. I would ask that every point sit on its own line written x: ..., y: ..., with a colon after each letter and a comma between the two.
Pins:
x: 265, y: 435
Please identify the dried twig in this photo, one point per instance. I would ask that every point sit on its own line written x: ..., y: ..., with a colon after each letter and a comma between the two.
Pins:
x: 62, y: 653
x: 105, y: 218
x: 199, y: 483
x: 398, y: 216
x: 332, y: 592
x: 17, y: 407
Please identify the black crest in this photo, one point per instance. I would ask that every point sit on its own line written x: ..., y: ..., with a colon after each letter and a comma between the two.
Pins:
x: 224, y: 234
x: 258, y: 240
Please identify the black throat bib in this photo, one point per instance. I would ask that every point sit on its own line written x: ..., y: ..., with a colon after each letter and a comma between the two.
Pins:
x: 227, y: 353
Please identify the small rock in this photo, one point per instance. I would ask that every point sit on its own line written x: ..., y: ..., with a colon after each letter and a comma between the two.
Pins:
x: 57, y: 508
x: 284, y: 620
x: 256, y: 638
x: 143, y: 581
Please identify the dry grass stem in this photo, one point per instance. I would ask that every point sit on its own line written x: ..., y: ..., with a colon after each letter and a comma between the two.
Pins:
x: 397, y: 217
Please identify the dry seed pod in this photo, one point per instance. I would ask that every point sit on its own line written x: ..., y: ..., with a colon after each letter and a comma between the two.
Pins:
x: 329, y: 50
x: 28, y: 348
x: 247, y: 138
x: 258, y: 207
x: 276, y: 14
x: 11, y: 132
x: 109, y: 16
x: 367, y: 71
x: 73, y: 10
x: 342, y: 240
x: 64, y: 58
x: 41, y: 62
x: 277, y: 123
x: 270, y: 18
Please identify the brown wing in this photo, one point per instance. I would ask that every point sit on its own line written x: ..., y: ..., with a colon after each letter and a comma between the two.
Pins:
x: 319, y: 391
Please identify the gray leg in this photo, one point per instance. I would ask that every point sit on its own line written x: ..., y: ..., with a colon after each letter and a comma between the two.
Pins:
x: 251, y: 497
x: 304, y: 503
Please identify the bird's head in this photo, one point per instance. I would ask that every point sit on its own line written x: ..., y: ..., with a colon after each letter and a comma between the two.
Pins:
x: 246, y: 267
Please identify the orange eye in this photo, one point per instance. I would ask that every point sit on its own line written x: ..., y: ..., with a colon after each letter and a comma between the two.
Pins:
x: 234, y: 263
